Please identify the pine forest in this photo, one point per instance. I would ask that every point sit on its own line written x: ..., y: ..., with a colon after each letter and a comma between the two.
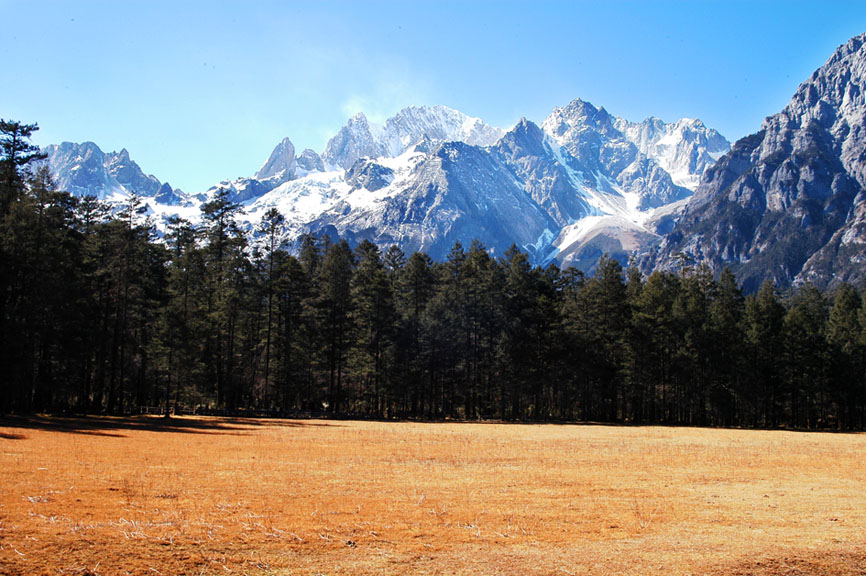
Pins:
x: 97, y: 315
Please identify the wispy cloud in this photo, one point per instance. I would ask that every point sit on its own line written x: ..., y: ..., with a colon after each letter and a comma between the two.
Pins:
x: 381, y: 97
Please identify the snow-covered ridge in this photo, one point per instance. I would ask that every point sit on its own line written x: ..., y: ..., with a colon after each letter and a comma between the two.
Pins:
x: 84, y: 169
x: 684, y: 149
x: 582, y: 184
x: 359, y: 137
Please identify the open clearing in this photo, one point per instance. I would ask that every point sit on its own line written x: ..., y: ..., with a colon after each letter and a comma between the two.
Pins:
x: 237, y: 496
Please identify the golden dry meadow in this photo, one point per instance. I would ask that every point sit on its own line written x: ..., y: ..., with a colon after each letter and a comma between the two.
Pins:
x: 241, y: 496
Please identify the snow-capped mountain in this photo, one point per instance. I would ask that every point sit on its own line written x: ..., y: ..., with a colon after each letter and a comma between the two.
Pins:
x: 583, y: 184
x: 569, y: 192
x: 359, y: 137
x: 788, y: 203
x: 83, y: 169
x: 684, y: 149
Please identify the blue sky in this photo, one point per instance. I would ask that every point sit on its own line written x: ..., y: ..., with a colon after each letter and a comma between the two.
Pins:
x: 202, y: 91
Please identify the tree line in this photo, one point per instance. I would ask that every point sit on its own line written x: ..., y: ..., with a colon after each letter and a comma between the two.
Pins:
x: 97, y: 316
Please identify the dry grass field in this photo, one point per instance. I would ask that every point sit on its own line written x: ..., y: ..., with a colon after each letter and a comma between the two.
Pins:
x: 228, y: 496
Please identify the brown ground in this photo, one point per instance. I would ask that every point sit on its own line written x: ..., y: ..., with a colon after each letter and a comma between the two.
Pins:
x: 222, y: 496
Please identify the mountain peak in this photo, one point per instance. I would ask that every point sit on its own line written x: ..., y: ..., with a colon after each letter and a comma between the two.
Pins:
x: 84, y: 169
x: 783, y: 204
x: 527, y: 131
x: 280, y: 165
x: 359, y: 118
x: 579, y: 117
x: 408, y: 127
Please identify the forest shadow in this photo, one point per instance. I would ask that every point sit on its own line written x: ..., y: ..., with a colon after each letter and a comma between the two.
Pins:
x: 115, y: 426
x: 622, y: 425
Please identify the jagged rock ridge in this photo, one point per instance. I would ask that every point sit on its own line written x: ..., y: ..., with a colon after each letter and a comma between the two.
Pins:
x: 787, y: 203
x: 84, y: 169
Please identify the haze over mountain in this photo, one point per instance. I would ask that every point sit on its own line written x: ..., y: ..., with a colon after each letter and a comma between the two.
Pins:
x: 582, y: 184
x: 787, y: 203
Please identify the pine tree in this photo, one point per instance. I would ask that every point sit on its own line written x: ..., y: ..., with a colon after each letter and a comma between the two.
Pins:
x: 17, y: 155
x: 654, y: 344
x: 764, y: 318
x: 415, y: 291
x: 373, y: 318
x: 298, y: 338
x: 691, y: 314
x: 728, y: 352
x: 271, y: 228
x: 334, y: 307
x: 805, y: 362
x: 224, y: 264
x: 844, y: 335
x: 519, y: 354
x: 181, y: 327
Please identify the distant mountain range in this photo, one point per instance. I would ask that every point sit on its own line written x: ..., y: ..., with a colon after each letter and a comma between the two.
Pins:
x: 785, y: 204
x: 582, y: 184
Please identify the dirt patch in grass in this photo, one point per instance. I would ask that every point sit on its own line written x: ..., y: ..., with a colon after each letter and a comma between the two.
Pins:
x: 245, y: 496
x: 842, y: 562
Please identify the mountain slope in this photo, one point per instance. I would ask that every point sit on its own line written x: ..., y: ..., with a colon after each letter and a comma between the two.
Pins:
x: 787, y: 203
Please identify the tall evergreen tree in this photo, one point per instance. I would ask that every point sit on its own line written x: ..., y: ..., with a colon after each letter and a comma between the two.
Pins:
x: 373, y: 317
x: 224, y: 260
x: 844, y: 335
x: 272, y: 230
x: 726, y: 316
x: 764, y: 317
x: 805, y: 362
x: 334, y: 308
x: 17, y: 155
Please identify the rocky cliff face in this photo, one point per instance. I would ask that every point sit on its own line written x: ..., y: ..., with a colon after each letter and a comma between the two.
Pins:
x: 454, y: 192
x: 280, y: 166
x: 787, y: 203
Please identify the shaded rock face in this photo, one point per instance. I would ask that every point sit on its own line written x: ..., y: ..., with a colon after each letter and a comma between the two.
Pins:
x: 642, y: 158
x: 310, y: 161
x: 354, y: 140
x: 365, y: 173
x: 130, y: 176
x: 240, y: 191
x: 529, y: 154
x: 457, y: 192
x: 684, y: 149
x: 786, y: 204
x: 168, y: 195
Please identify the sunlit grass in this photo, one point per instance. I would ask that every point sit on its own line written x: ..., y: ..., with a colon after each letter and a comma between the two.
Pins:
x: 211, y: 496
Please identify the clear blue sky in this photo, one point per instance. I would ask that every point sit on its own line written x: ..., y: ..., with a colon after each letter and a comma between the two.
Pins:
x: 202, y: 91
